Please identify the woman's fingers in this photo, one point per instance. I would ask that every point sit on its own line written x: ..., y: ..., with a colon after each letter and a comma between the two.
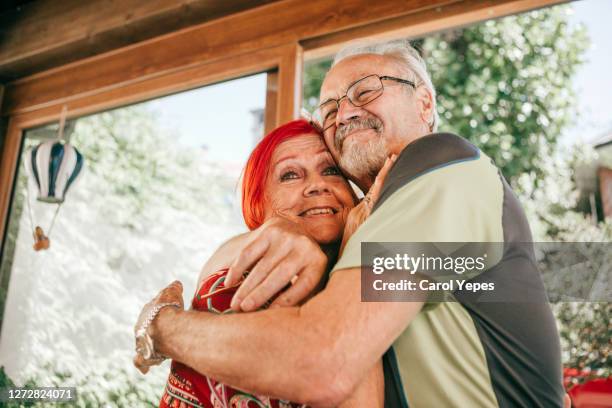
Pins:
x: 258, y: 274
x: 376, y: 188
x: 171, y: 293
x: 278, y: 278
x: 140, y: 364
x: 281, y: 244
x: 298, y: 291
x: 304, y: 269
x: 249, y: 255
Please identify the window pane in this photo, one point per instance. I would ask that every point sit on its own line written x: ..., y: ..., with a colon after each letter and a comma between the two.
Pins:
x: 158, y: 194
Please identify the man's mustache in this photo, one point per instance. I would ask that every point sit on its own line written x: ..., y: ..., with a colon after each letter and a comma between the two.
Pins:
x: 353, y: 125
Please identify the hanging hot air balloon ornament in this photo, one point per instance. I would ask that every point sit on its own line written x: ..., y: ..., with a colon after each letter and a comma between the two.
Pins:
x: 52, y: 166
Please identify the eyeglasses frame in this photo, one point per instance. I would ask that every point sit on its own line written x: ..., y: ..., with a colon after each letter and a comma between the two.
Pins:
x: 380, y: 78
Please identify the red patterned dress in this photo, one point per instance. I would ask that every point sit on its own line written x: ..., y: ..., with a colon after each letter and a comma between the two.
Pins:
x: 187, y: 388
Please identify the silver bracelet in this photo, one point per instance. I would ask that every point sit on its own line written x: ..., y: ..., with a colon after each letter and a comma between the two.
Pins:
x: 144, y: 342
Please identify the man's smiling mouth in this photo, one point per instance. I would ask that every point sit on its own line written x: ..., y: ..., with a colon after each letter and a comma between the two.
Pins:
x: 357, y: 133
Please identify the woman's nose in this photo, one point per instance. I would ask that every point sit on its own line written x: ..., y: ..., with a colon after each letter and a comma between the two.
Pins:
x: 316, y: 186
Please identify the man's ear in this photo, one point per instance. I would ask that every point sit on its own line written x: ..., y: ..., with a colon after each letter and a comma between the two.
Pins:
x: 424, y: 100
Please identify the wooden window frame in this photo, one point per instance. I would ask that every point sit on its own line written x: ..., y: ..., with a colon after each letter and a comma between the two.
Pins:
x: 274, y: 38
x: 282, y: 102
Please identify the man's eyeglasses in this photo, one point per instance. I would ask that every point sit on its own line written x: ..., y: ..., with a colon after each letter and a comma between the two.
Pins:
x: 359, y: 93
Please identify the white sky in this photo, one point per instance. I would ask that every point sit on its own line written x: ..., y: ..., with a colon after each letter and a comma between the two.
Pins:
x: 216, y: 116
x: 219, y: 116
x: 593, y: 82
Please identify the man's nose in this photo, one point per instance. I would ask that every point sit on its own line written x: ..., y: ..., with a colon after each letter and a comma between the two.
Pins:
x: 347, y: 112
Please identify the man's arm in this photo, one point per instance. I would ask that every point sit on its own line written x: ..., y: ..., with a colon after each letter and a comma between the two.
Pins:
x: 370, y: 392
x: 315, y: 354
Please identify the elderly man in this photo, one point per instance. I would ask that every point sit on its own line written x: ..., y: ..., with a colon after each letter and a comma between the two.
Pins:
x: 377, y: 101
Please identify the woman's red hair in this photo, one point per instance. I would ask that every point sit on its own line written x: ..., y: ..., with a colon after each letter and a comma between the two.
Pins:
x: 258, y: 165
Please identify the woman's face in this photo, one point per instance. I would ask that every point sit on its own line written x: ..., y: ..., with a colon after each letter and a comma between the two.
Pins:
x: 305, y: 183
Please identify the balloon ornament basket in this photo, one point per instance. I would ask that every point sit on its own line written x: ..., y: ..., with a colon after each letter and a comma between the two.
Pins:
x: 41, y: 241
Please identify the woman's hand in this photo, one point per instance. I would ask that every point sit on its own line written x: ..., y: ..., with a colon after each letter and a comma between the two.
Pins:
x: 358, y: 214
x: 145, y: 350
x: 277, y: 253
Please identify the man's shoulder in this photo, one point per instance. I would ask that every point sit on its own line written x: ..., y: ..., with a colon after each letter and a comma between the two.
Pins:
x: 424, y: 155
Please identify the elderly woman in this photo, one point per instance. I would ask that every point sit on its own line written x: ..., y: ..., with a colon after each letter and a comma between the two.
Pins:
x: 290, y: 174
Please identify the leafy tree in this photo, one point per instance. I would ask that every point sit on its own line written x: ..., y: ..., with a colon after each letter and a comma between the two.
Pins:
x: 584, y: 327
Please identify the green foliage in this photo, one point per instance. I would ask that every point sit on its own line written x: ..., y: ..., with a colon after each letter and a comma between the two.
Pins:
x: 128, y: 394
x: 506, y: 85
x: 584, y: 327
x: 586, y: 330
x: 314, y: 73
x: 6, y: 382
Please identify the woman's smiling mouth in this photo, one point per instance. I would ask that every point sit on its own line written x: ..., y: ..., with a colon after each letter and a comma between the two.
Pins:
x: 319, y: 211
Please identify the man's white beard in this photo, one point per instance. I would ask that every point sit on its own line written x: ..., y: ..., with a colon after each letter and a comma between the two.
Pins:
x: 364, y: 160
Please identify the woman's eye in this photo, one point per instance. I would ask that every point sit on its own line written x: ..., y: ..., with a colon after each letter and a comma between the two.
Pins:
x: 330, y: 115
x: 289, y: 175
x: 331, y: 171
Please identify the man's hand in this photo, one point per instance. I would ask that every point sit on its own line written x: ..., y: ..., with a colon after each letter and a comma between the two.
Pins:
x: 278, y: 253
x: 172, y: 293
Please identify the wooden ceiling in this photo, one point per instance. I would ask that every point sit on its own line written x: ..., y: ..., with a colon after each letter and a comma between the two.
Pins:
x: 37, y: 35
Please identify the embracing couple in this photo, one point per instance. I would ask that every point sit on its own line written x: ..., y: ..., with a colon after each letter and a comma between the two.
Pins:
x: 278, y: 320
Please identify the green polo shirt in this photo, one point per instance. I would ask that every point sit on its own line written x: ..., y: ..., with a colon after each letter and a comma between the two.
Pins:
x: 465, y: 353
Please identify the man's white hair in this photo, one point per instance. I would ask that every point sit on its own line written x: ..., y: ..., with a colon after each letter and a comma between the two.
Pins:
x: 409, y: 57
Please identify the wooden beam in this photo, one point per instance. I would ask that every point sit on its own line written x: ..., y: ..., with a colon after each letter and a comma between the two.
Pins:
x: 271, y: 25
x: 290, y: 70
x: 271, y: 109
x: 1, y: 118
x: 3, y: 200
x: 9, y: 158
x: 48, y: 33
x: 421, y: 23
x: 166, y: 84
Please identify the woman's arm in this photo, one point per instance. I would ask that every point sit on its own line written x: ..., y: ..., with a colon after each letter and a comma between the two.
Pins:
x: 223, y: 256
